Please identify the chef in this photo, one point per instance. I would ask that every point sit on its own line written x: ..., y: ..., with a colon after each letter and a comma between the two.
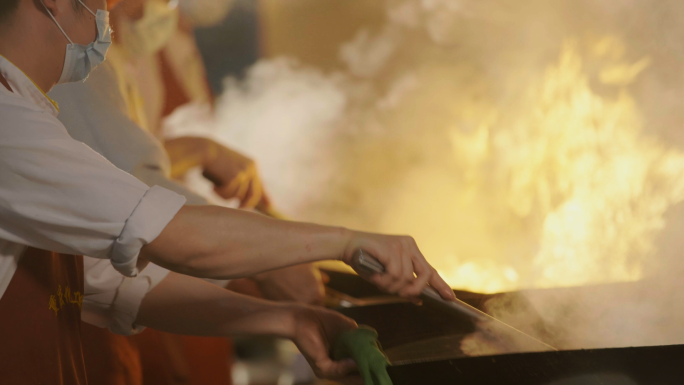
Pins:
x: 57, y: 194
x: 96, y: 113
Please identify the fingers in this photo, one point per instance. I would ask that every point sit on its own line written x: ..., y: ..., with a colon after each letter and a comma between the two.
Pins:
x: 407, y: 272
x: 423, y: 272
x: 328, y: 368
x: 323, y: 366
x: 416, y: 287
x: 398, y: 271
x: 232, y: 189
x: 441, y: 286
x: 404, y: 276
x: 265, y: 202
x: 243, y: 187
x: 392, y: 280
x: 427, y: 273
x: 253, y: 195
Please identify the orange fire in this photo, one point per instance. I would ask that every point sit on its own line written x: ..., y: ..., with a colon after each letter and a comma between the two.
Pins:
x: 567, y: 190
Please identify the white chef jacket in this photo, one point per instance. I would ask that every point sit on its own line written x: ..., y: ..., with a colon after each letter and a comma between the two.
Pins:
x: 94, y: 112
x: 58, y: 194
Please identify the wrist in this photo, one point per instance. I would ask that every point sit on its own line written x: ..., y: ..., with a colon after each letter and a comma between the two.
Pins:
x: 324, y: 243
x: 277, y: 320
x: 295, y: 313
x: 347, y: 236
x: 209, y: 150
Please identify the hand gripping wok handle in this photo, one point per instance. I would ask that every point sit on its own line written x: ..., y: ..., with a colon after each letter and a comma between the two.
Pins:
x: 364, y: 262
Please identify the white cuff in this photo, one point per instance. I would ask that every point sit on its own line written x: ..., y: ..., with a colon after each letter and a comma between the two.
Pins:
x: 129, y: 297
x: 154, y: 211
x: 113, y: 301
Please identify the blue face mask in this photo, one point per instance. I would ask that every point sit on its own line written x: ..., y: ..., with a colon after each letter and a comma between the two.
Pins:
x: 80, y: 60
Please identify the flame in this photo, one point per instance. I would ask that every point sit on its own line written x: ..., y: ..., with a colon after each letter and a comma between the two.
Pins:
x: 567, y: 191
x: 562, y: 187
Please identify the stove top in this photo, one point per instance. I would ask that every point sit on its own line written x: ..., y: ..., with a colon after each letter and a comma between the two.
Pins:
x: 657, y: 365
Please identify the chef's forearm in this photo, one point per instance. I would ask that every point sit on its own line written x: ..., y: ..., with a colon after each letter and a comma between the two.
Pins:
x: 186, y: 305
x: 220, y: 243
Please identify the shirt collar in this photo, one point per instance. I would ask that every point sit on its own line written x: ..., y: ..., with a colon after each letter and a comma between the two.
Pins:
x: 25, y: 88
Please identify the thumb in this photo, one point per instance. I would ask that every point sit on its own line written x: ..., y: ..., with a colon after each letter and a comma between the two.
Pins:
x: 337, y: 369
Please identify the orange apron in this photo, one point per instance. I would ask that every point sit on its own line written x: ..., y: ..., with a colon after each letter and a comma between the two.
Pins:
x: 171, y: 359
x: 110, y: 359
x: 40, y: 321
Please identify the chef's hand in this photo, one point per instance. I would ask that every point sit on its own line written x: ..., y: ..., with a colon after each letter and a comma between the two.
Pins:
x: 300, y: 283
x: 315, y: 331
x: 407, y: 272
x: 234, y: 176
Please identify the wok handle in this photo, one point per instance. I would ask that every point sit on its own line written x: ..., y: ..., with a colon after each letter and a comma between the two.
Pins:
x: 364, y: 262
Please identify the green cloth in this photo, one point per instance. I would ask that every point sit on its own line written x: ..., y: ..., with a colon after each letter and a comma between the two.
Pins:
x: 362, y: 346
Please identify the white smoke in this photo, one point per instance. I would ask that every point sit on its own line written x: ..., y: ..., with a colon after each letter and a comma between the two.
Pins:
x: 421, y: 134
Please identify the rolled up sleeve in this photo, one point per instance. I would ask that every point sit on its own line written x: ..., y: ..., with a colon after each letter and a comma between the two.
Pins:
x: 154, y: 211
x: 58, y: 194
x: 111, y: 300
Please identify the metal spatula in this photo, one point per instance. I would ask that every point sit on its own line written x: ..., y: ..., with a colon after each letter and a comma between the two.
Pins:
x: 363, y: 261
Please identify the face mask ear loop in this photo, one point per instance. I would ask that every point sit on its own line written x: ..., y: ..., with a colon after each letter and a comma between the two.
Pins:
x: 86, y: 7
x: 55, y: 20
